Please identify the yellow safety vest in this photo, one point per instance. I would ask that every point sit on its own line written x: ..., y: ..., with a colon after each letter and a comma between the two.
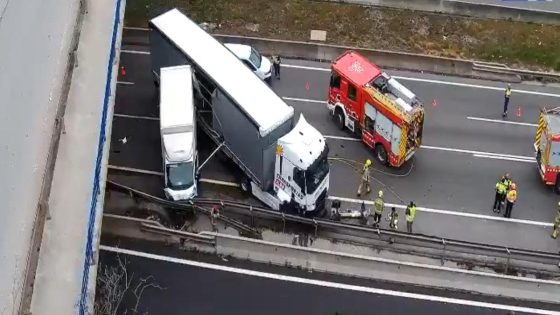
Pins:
x: 501, y: 187
x: 508, y: 92
x: 411, y: 213
x: 512, y: 196
x: 379, y: 205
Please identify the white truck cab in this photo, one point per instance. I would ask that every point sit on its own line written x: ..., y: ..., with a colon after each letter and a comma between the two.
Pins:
x: 178, y: 132
x: 259, y: 64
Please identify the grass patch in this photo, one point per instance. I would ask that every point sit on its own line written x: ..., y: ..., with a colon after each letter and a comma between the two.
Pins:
x: 518, y: 44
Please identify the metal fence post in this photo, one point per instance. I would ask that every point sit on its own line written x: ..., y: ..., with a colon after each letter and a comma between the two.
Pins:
x: 442, y: 257
x: 507, y: 261
x: 316, y: 226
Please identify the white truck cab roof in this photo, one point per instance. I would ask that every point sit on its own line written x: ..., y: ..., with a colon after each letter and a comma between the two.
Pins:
x: 303, y: 144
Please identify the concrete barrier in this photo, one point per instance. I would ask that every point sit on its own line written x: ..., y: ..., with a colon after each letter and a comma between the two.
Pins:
x: 383, y: 58
x: 465, y: 8
x: 385, y: 269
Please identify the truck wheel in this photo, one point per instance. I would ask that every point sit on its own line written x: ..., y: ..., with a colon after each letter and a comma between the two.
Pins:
x: 339, y: 118
x: 245, y: 185
x: 381, y: 154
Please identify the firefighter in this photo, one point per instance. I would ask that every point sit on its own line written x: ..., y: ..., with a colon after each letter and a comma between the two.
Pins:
x: 556, y: 229
x: 410, y: 215
x: 511, y: 198
x: 501, y: 191
x: 507, y: 95
x: 365, y: 179
x: 276, y: 64
x: 393, y: 218
x: 378, y: 204
x: 214, y: 215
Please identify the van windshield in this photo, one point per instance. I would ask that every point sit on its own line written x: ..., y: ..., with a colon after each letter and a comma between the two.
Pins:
x: 255, y: 58
x: 180, y: 175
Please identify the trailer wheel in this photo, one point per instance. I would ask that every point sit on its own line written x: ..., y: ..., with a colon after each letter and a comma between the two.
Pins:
x: 381, y: 154
x: 245, y: 185
x: 339, y: 118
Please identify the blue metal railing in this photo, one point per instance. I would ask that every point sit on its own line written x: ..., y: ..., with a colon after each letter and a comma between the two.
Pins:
x: 89, y: 252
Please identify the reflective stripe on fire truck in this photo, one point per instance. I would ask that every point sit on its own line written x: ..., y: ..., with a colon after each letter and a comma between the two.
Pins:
x: 539, y: 130
x: 388, y: 103
x: 404, y: 140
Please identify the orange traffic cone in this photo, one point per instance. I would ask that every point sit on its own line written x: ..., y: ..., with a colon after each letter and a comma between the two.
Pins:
x: 123, y: 71
x: 518, y: 111
x: 434, y: 103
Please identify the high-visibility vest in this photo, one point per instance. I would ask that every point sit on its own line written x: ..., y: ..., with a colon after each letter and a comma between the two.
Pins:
x: 512, y: 196
x: 501, y: 187
x: 410, y: 213
x: 557, y: 218
x: 379, y: 205
x: 365, y: 173
x: 508, y: 92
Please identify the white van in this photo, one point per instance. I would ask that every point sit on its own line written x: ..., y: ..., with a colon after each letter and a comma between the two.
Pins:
x: 260, y: 65
x: 178, y: 132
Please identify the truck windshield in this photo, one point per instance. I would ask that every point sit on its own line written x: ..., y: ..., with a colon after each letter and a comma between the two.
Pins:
x: 255, y: 58
x: 317, y: 172
x: 180, y: 175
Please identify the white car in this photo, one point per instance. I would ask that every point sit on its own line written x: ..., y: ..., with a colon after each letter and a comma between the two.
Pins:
x: 260, y: 65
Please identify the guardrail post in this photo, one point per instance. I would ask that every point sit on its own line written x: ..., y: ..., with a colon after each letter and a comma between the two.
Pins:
x: 443, y: 260
x: 283, y: 222
x: 507, y: 261
x: 316, y: 226
x: 252, y: 217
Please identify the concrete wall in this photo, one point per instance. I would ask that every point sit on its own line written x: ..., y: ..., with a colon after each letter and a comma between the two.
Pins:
x: 385, y: 269
x: 465, y: 8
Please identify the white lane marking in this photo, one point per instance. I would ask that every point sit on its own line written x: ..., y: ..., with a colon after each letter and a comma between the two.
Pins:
x: 125, y: 82
x: 473, y: 152
x: 134, y: 170
x: 476, y: 86
x: 305, y: 100
x: 218, y: 182
x: 498, y: 121
x: 135, y: 52
x: 322, y: 283
x: 133, y: 28
x: 135, y: 117
x: 449, y: 212
x: 424, y: 209
x: 504, y: 158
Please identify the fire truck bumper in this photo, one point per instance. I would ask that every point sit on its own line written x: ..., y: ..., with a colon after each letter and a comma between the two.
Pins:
x: 330, y: 107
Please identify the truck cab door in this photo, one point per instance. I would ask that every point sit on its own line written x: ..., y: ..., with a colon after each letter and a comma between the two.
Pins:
x: 349, y: 98
x: 334, y: 88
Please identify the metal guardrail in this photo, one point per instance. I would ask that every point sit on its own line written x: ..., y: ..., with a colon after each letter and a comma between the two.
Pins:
x: 355, y: 230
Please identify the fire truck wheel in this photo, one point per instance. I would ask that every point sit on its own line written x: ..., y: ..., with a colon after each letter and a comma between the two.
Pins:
x: 339, y: 118
x: 381, y: 153
x: 557, y: 185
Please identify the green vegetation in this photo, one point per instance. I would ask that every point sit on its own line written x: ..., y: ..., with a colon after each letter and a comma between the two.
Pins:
x: 530, y: 45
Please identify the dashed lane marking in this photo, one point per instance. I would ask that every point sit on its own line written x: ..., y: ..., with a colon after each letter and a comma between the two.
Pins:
x: 322, y: 283
x: 501, y: 121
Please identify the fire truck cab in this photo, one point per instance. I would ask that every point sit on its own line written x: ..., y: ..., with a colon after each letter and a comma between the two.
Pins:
x: 547, y: 146
x: 386, y: 115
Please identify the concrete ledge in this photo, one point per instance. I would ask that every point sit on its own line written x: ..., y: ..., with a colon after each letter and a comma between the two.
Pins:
x: 385, y: 269
x: 383, y: 58
x: 465, y: 8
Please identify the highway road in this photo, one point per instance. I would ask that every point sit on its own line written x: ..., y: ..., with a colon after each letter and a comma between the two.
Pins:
x: 35, y: 37
x: 467, y: 146
x: 546, y: 5
x: 200, y: 284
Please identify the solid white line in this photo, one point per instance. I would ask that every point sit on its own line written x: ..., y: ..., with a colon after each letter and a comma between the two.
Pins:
x: 520, y: 157
x: 125, y: 82
x: 133, y: 170
x: 502, y: 121
x: 343, y: 138
x: 218, y: 182
x: 449, y: 212
x: 295, y: 99
x: 136, y: 117
x: 504, y: 158
x: 322, y: 283
x: 135, y: 52
x: 424, y: 209
x: 476, y: 86
x: 133, y: 28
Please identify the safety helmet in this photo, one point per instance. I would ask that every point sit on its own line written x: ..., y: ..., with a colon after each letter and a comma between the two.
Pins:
x: 513, y: 186
x: 380, y: 193
x: 368, y: 162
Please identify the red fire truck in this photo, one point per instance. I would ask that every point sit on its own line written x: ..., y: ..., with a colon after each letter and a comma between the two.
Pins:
x: 386, y: 115
x: 547, y: 146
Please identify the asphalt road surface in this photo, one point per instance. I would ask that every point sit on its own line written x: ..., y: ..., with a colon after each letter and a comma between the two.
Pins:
x: 217, y: 287
x: 467, y: 146
x: 546, y: 5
